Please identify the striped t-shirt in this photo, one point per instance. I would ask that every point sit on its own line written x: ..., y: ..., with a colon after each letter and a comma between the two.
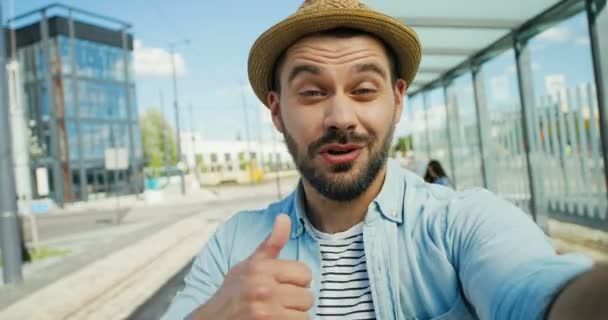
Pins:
x: 345, y: 290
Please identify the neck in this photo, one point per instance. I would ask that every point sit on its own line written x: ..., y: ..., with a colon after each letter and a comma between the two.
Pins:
x: 332, y: 216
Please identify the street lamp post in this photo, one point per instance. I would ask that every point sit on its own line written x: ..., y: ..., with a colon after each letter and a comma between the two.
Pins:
x: 277, y: 168
x: 165, y: 138
x: 176, y: 105
x: 9, y: 224
x: 247, y: 135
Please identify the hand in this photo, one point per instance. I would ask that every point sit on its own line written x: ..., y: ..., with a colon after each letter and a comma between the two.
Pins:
x: 262, y: 286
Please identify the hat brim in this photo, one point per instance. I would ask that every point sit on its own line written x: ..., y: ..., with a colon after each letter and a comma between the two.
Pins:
x: 272, y: 43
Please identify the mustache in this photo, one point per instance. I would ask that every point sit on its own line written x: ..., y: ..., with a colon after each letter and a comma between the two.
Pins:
x: 339, y: 137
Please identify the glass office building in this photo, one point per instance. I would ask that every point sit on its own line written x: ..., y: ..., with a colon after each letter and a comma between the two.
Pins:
x: 79, y: 98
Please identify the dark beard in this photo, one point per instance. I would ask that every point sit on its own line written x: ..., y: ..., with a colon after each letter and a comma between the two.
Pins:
x: 332, y: 188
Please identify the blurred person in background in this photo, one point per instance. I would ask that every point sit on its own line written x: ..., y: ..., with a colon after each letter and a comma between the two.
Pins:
x: 436, y: 174
x: 360, y: 237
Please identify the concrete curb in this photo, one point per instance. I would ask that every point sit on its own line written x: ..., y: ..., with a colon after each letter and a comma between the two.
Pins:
x: 71, y: 296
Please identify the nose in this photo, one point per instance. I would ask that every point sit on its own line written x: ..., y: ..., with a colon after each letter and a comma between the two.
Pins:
x: 340, y: 114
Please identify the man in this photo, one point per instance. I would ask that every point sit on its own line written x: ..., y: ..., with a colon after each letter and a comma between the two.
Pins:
x: 361, y: 238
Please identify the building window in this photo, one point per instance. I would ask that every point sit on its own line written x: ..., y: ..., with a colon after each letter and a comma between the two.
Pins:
x: 227, y: 157
x: 213, y: 158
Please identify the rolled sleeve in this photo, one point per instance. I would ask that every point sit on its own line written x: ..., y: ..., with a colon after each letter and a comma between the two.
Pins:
x: 507, y: 266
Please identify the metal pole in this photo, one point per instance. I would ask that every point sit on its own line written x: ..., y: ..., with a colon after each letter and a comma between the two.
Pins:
x: 55, y: 152
x: 114, y: 141
x: 133, y: 163
x: 488, y: 159
x: 9, y: 224
x: 195, y: 169
x: 530, y: 134
x: 260, y: 160
x: 449, y: 136
x: 192, y: 136
x: 165, y: 135
x: 116, y: 177
x: 274, y: 157
x: 176, y: 105
x: 597, y: 17
x: 427, y: 134
x: 75, y: 95
x: 247, y: 133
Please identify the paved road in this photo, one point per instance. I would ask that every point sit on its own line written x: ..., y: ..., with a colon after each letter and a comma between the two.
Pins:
x: 54, y: 226
x: 156, y: 306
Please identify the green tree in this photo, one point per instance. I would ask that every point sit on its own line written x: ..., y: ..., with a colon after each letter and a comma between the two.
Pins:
x: 242, y: 161
x: 36, y: 149
x: 403, y: 144
x: 153, y: 126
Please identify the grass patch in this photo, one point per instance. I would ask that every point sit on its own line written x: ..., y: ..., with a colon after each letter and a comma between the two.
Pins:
x: 45, y: 253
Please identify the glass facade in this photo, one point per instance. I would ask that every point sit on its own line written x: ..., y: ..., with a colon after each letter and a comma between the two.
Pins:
x: 416, y: 116
x: 502, y: 99
x: 92, y: 112
x: 566, y: 120
x: 523, y: 118
x: 436, y: 117
x: 464, y: 132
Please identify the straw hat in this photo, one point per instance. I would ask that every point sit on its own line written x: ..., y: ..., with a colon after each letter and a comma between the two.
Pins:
x: 319, y: 15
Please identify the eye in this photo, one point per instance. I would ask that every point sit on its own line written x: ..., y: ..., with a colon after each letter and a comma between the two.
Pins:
x: 312, y: 93
x: 364, y: 91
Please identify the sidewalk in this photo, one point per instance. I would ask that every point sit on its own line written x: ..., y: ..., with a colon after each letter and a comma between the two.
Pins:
x: 78, y: 294
x: 170, y: 194
x: 114, y: 228
x: 111, y: 271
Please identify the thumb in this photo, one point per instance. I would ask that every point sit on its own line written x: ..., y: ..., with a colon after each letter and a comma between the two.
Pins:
x: 271, y: 247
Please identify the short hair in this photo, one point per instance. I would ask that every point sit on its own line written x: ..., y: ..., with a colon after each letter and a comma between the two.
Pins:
x: 342, y: 33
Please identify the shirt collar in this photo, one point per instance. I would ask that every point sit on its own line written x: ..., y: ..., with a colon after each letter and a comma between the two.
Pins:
x: 389, y: 201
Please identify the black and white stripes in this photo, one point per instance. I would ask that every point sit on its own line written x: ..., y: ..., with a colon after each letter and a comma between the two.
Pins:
x: 345, y: 291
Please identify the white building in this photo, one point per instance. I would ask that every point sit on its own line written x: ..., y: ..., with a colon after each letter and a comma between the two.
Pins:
x: 230, y: 155
x: 555, y: 84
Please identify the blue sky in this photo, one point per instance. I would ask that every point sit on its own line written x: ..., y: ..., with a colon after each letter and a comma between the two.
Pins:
x: 563, y: 50
x: 213, y: 65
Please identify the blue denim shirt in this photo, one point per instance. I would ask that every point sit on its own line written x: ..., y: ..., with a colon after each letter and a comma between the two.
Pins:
x: 432, y: 253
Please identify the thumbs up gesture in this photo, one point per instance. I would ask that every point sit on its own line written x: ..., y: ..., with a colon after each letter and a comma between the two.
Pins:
x: 262, y: 286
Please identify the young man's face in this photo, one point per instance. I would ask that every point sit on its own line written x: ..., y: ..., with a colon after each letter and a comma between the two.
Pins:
x: 337, y: 109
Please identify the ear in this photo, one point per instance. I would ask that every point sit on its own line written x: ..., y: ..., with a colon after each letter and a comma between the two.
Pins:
x: 275, y: 109
x: 399, y: 91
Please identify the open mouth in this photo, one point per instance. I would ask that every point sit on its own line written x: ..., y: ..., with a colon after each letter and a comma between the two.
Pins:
x: 339, y: 154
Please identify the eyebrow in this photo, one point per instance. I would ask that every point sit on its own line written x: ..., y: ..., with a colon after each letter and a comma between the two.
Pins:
x: 370, y: 67
x: 303, y: 68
